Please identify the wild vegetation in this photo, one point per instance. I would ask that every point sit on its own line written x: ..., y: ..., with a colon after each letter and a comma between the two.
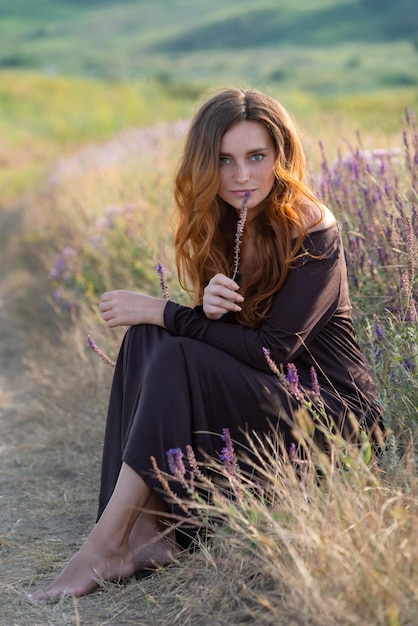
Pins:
x: 285, y: 549
x: 86, y: 170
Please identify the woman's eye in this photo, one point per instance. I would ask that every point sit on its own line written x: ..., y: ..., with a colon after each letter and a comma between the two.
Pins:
x: 258, y: 157
x: 223, y: 160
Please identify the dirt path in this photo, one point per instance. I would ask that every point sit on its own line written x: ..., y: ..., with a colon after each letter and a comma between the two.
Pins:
x: 22, y: 432
x: 17, y: 391
x: 53, y: 396
x: 43, y: 510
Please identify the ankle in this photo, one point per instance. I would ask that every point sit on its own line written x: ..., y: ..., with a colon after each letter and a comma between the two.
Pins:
x: 105, y: 542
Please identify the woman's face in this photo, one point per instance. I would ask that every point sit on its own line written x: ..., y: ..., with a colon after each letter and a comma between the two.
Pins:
x: 246, y: 160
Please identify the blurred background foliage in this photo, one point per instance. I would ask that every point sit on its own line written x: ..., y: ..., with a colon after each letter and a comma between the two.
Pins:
x: 192, y: 40
x: 76, y: 71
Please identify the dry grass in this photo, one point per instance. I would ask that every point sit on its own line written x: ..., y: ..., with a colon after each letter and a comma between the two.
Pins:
x: 342, y: 552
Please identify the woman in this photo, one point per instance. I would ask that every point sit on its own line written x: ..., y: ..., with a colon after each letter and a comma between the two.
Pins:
x: 183, y: 374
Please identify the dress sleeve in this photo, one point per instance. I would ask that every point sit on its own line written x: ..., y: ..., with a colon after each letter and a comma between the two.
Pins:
x: 301, y: 308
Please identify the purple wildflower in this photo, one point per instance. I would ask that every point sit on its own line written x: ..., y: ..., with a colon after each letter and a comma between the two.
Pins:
x: 378, y: 329
x: 315, y: 383
x: 165, y: 485
x: 175, y: 463
x: 92, y: 344
x: 293, y: 380
x: 63, y: 264
x: 228, y: 456
x: 238, y: 235
x: 162, y: 272
x: 405, y: 286
x: 382, y: 254
x: 64, y: 298
x: 272, y: 365
x: 292, y: 451
x: 410, y: 237
x: 412, y: 311
x: 195, y: 469
x: 409, y: 365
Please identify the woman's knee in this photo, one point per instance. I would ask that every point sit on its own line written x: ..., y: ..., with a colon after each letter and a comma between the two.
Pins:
x: 144, y: 337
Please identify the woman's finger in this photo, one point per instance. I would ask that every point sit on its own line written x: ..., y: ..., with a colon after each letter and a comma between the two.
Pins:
x: 105, y: 306
x: 108, y: 315
x: 218, y: 291
x: 225, y: 281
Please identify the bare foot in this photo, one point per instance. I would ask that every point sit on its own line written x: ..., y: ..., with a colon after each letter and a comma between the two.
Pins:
x: 151, y: 541
x: 86, y: 569
x: 124, y: 540
x: 159, y: 550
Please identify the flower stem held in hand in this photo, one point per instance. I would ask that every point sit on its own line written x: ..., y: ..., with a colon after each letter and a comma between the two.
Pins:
x: 240, y: 230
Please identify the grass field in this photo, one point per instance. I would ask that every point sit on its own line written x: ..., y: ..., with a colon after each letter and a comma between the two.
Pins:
x: 94, y: 102
x: 324, y: 46
x: 44, y: 118
x: 346, y: 65
x: 342, y: 554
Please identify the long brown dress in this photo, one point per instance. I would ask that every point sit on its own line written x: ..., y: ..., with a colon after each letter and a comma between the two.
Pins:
x: 183, y: 384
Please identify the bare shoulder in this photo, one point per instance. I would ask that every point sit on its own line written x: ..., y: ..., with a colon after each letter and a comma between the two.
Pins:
x: 319, y: 216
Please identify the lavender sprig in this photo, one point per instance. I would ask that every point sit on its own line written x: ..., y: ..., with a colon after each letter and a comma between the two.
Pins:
x: 162, y: 478
x: 293, y: 380
x: 228, y: 456
x: 274, y: 368
x: 162, y: 272
x: 238, y: 235
x: 178, y: 469
x: 175, y: 463
x: 231, y: 464
x: 316, y: 388
x: 196, y: 472
x: 92, y: 344
x: 292, y: 452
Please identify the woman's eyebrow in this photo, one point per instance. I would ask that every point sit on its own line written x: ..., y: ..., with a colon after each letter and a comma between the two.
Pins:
x: 252, y: 151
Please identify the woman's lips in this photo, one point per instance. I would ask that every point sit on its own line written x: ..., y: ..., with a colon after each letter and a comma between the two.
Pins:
x: 242, y: 192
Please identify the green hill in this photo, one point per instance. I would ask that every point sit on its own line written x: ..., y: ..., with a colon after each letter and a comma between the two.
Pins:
x: 321, y: 46
x: 74, y: 71
x: 304, y: 24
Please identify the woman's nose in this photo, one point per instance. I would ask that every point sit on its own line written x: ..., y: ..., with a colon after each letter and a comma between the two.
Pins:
x: 241, y: 172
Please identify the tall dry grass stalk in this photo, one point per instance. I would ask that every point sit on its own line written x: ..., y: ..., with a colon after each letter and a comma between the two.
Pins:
x: 302, y: 546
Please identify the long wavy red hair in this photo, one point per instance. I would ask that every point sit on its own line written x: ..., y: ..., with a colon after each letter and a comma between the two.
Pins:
x: 205, y: 234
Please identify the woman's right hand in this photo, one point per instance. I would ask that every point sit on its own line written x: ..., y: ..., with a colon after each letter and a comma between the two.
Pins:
x: 220, y: 296
x: 129, y: 308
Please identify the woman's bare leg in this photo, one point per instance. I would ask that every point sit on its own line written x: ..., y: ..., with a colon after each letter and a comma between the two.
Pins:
x: 106, y: 553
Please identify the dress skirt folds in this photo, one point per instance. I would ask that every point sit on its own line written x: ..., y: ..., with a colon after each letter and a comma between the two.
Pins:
x: 183, y: 384
x: 170, y: 392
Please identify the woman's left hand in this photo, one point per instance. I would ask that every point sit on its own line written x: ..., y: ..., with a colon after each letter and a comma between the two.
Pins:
x: 129, y: 308
x: 221, y: 296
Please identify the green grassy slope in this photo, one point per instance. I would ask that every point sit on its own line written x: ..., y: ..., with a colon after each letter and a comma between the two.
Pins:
x: 44, y: 118
x: 74, y: 71
x: 192, y: 40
